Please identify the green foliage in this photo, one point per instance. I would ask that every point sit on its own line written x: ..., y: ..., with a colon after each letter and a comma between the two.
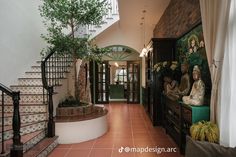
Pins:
x: 205, y: 131
x: 63, y: 16
x: 71, y: 102
x: 97, y: 53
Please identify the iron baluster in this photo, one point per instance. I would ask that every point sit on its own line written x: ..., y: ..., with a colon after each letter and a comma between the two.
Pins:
x: 51, y: 123
x: 17, y: 148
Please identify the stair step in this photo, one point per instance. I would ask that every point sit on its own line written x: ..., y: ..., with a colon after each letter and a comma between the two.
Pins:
x: 25, y: 129
x: 98, y: 27
x: 26, y: 99
x: 104, y: 22
x: 43, y: 148
x: 30, y: 108
x: 58, y: 74
x: 92, y: 30
x: 30, y: 81
x: 28, y: 140
x: 28, y: 89
x: 109, y: 18
x: 70, y: 59
x: 58, y: 62
x: 36, y: 81
x: 55, y: 68
x: 24, y: 117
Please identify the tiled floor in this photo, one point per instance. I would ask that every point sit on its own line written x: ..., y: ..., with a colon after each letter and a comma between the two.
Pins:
x: 129, y: 127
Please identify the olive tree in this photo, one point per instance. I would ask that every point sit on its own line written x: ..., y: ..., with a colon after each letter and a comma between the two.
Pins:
x: 63, y: 16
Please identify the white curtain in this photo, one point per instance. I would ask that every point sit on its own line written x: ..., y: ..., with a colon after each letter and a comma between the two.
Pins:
x: 219, y: 28
x: 227, y: 106
x: 215, y: 15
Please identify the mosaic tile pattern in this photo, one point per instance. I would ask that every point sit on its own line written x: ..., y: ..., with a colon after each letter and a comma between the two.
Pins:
x: 49, y: 149
x: 34, y: 108
x: 38, y: 75
x: 34, y: 113
x: 30, y: 81
x: 38, y: 69
x: 32, y: 142
x: 25, y: 130
x: 28, y: 89
x: 26, y: 99
x: 26, y: 118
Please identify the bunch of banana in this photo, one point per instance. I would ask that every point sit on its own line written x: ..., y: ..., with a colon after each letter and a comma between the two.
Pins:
x: 195, y: 130
x: 213, y: 133
x: 204, y: 130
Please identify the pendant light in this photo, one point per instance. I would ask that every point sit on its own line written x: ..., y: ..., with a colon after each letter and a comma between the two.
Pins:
x: 144, y: 50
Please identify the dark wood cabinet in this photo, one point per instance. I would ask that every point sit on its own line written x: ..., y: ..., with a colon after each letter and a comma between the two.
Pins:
x: 160, y: 49
x: 179, y: 117
x: 173, y: 119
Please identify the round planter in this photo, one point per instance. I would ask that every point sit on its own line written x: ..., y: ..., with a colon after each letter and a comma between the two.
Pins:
x: 74, y: 111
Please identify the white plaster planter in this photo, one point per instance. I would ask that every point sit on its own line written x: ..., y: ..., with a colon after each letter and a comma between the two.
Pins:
x: 80, y: 131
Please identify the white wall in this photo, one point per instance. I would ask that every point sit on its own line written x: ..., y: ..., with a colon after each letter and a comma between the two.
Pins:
x: 20, y: 41
x: 128, y: 31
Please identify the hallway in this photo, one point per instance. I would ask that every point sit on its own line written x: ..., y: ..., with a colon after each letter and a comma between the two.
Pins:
x: 129, y: 126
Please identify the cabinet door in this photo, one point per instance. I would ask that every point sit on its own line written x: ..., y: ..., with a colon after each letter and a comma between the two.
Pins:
x: 133, y: 82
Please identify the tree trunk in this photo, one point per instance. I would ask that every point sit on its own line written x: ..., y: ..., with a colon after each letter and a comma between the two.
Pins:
x: 76, y: 85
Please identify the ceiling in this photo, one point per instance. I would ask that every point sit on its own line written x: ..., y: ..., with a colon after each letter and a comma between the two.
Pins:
x: 128, y: 30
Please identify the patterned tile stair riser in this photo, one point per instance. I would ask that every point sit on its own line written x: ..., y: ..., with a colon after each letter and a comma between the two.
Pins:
x: 26, y: 99
x: 58, y: 63
x: 33, y: 81
x: 28, y: 89
x: 38, y: 75
x: 34, y: 108
x: 43, y: 149
x: 48, y: 150
x: 25, y: 130
x: 34, y: 141
x: 29, y: 140
x: 38, y: 68
x: 28, y: 118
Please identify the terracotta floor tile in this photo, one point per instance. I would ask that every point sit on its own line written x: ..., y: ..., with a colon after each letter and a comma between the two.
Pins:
x: 116, y: 153
x: 144, y: 144
x: 83, y: 145
x: 146, y: 154
x: 169, y: 155
x: 78, y: 153
x: 123, y: 143
x: 101, y: 153
x: 59, y: 152
x: 104, y: 144
x: 64, y: 146
x: 129, y: 126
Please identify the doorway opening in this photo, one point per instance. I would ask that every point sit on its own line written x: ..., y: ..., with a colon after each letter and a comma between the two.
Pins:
x: 117, y: 78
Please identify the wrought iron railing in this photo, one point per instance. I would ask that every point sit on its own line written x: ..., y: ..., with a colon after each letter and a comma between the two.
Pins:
x: 53, y: 68
x: 17, y: 147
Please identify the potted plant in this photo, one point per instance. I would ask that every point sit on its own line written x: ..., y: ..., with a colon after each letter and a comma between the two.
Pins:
x: 205, y: 131
x: 63, y: 16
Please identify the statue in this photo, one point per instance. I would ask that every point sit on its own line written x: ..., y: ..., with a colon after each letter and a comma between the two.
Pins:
x: 197, y: 93
x: 170, y: 85
x: 184, y: 87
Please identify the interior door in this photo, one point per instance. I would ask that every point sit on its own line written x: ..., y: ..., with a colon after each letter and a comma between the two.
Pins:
x: 133, y: 82
x: 102, y: 80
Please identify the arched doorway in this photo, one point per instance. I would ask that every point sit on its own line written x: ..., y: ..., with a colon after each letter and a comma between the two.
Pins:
x: 117, y: 78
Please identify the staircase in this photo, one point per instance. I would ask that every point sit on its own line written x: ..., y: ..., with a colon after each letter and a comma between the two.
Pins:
x: 34, y: 121
x: 33, y: 110
x: 108, y: 20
